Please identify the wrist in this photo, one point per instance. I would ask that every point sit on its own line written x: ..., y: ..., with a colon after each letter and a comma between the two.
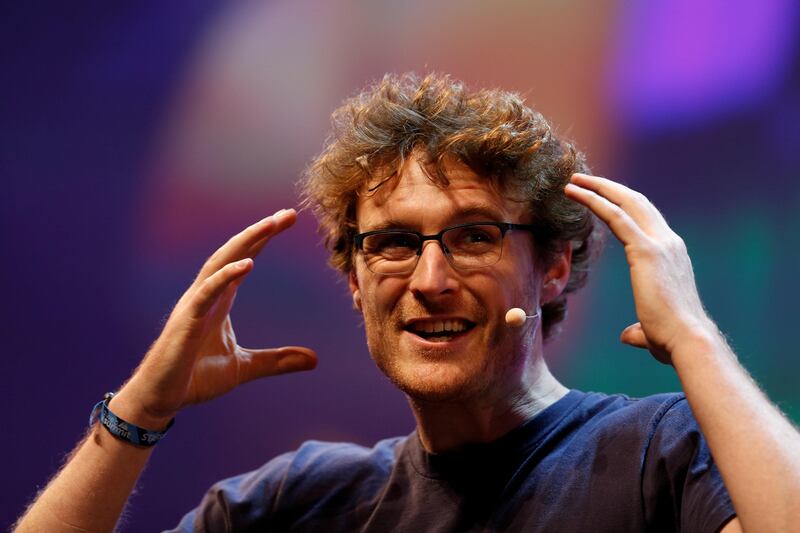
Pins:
x: 699, y: 342
x: 122, y: 429
x: 125, y: 405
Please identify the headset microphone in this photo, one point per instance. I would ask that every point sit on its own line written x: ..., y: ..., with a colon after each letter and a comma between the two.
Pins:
x: 515, y: 317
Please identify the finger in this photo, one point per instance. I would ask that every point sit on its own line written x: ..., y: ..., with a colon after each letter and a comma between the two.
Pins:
x: 632, y: 202
x: 241, y: 245
x: 287, y: 219
x: 620, y: 222
x: 273, y: 361
x: 222, y: 307
x: 212, y: 288
x: 256, y: 247
x: 634, y: 336
x: 229, y: 295
x: 283, y: 221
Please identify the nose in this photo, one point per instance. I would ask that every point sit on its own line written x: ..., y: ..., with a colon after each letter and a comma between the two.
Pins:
x: 433, y: 276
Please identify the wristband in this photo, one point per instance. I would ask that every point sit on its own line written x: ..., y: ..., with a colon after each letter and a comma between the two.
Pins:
x: 123, y: 430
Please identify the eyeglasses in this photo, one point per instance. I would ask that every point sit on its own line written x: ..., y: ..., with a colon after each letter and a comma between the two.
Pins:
x: 466, y: 246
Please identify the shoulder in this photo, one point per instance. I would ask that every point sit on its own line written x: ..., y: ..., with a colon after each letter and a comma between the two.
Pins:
x: 680, y: 484
x: 318, y: 467
x: 314, y: 453
x: 663, y: 423
x: 656, y: 440
x: 622, y: 413
x: 336, y: 463
x: 294, y: 481
x: 631, y: 430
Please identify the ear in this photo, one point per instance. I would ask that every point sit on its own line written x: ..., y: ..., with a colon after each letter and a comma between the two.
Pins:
x: 352, y: 282
x: 557, y: 276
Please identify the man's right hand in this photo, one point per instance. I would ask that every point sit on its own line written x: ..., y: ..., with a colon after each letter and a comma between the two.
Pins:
x: 196, y: 357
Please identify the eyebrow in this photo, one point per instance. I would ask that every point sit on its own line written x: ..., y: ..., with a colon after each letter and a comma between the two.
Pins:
x: 484, y: 212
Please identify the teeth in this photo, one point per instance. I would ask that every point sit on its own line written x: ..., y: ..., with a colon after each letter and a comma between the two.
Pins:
x: 440, y: 326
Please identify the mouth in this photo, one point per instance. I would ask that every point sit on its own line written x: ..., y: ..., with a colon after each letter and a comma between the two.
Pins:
x: 439, y: 329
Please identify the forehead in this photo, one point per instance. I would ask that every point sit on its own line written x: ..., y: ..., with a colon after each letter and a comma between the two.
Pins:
x: 413, y: 200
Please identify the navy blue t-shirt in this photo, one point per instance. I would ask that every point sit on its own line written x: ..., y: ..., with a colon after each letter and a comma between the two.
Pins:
x: 589, y: 462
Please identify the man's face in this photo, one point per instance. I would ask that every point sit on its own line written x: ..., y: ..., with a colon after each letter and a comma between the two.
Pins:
x: 487, y: 358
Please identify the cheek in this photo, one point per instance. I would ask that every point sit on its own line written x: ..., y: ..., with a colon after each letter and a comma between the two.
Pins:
x: 379, y: 300
x: 522, y: 276
x: 511, y: 287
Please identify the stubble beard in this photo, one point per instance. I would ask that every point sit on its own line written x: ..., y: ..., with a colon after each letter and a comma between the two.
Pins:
x: 474, y: 379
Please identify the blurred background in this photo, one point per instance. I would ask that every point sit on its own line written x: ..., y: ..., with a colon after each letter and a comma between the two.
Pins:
x: 136, y: 137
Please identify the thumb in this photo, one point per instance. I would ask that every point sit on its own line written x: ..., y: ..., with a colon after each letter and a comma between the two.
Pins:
x: 634, y: 336
x: 254, y: 364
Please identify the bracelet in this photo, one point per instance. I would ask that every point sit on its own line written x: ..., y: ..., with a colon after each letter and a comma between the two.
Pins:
x: 124, y: 430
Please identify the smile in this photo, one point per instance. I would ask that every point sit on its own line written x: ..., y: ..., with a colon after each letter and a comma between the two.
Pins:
x: 439, y: 330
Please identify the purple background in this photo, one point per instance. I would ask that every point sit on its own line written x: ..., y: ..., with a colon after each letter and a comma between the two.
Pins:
x: 135, y: 138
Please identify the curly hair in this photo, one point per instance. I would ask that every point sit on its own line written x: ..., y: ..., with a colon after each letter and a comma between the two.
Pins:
x: 493, y: 132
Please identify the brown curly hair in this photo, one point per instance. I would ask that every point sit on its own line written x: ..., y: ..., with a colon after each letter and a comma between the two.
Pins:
x: 491, y: 131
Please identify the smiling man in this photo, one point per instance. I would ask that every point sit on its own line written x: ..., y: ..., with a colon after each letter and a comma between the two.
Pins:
x: 434, y: 308
x: 446, y: 208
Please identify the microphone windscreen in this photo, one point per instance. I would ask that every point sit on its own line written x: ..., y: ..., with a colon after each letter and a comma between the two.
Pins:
x: 515, y: 317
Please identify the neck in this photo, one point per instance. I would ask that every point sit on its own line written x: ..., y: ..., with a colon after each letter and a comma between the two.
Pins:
x: 450, y: 425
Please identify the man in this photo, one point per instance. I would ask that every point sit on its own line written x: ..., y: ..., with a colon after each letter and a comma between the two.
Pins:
x: 445, y: 209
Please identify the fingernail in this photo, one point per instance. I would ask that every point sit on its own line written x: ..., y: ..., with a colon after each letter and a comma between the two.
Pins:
x: 280, y: 214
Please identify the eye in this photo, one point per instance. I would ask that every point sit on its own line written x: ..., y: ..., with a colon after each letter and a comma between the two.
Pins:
x: 473, y: 239
x: 476, y: 235
x: 392, y: 244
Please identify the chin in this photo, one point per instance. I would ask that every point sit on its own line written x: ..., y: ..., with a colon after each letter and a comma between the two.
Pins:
x: 437, y: 382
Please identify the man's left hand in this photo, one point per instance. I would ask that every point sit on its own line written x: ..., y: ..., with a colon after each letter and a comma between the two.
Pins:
x: 667, y: 303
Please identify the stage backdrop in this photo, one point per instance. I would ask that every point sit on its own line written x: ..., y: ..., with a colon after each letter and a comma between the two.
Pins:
x: 136, y: 138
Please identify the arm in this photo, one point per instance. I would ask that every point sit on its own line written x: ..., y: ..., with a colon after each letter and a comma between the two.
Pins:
x: 757, y: 450
x: 196, y: 358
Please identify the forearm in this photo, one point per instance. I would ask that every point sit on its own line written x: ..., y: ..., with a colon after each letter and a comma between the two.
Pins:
x: 755, y: 447
x: 90, y: 492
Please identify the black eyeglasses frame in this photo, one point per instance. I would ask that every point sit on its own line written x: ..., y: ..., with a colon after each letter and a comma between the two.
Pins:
x: 504, y: 227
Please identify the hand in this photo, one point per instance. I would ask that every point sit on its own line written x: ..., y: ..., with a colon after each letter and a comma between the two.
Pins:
x: 196, y: 357
x: 667, y: 303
